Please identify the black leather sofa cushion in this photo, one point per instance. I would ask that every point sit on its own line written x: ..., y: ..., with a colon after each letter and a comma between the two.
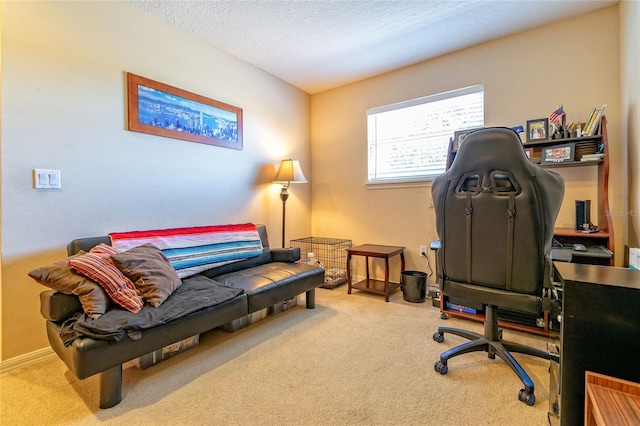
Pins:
x: 272, y: 283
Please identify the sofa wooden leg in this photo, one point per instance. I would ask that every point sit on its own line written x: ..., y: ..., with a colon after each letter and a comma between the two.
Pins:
x: 311, y: 299
x: 111, y: 387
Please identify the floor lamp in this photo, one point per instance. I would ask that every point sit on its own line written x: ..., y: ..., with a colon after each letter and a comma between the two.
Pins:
x: 289, y: 172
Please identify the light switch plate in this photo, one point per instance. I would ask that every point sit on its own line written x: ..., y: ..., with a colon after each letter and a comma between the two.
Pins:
x: 46, y: 179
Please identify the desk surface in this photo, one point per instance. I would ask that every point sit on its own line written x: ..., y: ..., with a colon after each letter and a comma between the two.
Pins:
x: 596, y: 274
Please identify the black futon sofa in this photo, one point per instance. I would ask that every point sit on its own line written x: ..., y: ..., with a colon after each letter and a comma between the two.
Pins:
x: 205, y: 301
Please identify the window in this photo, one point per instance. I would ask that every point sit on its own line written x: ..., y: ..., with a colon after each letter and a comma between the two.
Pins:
x: 409, y: 140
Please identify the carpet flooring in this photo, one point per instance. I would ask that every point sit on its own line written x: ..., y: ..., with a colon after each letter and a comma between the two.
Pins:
x: 354, y: 360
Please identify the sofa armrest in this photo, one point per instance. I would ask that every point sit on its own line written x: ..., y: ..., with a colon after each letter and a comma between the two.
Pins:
x: 58, y: 307
x: 285, y: 254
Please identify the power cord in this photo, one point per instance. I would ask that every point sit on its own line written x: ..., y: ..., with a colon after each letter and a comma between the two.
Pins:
x: 430, y: 273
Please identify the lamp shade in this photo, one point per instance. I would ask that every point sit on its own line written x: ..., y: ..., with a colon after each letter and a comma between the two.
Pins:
x: 289, y: 172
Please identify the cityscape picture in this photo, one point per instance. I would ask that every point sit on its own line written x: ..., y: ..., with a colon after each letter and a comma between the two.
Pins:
x: 163, y: 110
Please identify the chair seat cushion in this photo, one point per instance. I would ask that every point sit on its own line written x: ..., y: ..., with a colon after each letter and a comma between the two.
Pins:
x: 494, y: 297
x: 271, y: 283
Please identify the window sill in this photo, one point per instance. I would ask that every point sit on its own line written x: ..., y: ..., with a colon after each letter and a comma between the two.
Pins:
x: 400, y: 183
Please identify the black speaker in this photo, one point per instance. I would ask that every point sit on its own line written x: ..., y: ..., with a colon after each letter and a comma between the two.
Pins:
x: 583, y: 214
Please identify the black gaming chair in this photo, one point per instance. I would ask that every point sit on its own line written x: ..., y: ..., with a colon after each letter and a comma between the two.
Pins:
x: 495, y: 213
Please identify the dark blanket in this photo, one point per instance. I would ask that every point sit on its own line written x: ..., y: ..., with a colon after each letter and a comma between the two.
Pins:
x: 196, y: 293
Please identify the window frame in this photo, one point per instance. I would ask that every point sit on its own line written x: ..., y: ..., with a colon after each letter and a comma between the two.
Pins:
x: 423, y: 180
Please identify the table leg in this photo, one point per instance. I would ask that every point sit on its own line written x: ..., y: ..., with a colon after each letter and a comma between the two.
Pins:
x: 386, y: 278
x: 366, y: 262
x: 348, y: 273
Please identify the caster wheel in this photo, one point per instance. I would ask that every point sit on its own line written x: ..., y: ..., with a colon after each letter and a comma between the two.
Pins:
x: 444, y: 316
x: 441, y: 368
x: 527, y: 397
x: 438, y: 337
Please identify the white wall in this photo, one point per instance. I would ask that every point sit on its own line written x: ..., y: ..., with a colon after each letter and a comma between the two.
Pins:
x: 63, y: 107
x: 630, y: 85
x: 525, y: 76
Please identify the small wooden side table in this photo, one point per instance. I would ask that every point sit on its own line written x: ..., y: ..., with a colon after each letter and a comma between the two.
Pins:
x: 376, y: 251
x: 610, y: 401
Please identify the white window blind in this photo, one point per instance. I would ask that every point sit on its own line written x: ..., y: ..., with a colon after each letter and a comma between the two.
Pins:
x: 409, y: 140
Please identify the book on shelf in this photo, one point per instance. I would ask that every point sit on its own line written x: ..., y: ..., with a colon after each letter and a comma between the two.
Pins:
x: 587, y: 158
x: 589, y: 122
x: 593, y: 156
x: 595, y: 122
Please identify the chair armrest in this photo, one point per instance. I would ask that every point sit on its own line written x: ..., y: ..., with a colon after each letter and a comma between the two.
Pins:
x: 435, y: 246
x: 285, y: 254
x: 551, y: 299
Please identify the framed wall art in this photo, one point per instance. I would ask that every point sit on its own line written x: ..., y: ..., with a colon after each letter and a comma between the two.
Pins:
x: 162, y: 110
x: 558, y: 153
x: 538, y: 130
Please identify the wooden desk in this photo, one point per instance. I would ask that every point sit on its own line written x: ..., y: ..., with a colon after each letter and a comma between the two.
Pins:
x: 377, y: 251
x: 610, y: 401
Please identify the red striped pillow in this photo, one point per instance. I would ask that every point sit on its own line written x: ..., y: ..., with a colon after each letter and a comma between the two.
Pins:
x: 98, y: 266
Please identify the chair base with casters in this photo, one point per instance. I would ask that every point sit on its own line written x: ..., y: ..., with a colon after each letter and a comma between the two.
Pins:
x: 491, y: 343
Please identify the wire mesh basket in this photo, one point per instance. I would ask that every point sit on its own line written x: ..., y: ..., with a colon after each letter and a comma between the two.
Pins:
x: 332, y: 252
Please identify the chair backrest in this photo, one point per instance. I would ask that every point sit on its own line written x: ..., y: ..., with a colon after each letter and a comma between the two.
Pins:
x: 495, y: 213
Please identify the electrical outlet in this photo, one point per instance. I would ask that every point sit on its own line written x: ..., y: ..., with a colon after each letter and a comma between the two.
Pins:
x: 430, y: 203
x: 423, y: 250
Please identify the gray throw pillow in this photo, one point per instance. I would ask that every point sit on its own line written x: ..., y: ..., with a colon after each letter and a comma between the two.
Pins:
x: 150, y: 271
x: 58, y: 276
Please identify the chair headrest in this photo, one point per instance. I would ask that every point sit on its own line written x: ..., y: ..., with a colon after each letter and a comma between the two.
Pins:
x: 493, y: 148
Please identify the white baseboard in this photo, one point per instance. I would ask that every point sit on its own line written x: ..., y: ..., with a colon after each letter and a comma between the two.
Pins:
x: 26, y: 359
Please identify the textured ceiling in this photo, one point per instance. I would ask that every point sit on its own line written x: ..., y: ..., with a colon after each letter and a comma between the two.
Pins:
x: 316, y: 45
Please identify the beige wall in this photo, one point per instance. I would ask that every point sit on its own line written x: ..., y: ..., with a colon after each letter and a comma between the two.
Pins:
x: 630, y: 85
x: 525, y: 76
x: 63, y: 107
x: 0, y: 182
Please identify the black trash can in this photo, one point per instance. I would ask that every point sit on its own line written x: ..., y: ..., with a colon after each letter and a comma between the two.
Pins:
x: 414, y: 286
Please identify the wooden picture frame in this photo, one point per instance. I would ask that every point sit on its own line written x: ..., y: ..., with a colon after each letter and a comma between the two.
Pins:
x: 458, y: 137
x: 558, y: 153
x: 529, y: 152
x: 159, y: 109
x: 538, y: 130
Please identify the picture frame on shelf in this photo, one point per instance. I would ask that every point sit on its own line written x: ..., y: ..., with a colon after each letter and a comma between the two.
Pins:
x: 529, y: 152
x: 555, y: 154
x: 538, y: 130
x: 459, y: 136
x: 158, y: 109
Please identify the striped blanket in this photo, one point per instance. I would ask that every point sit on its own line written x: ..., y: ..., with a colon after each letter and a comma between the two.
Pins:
x: 193, y: 250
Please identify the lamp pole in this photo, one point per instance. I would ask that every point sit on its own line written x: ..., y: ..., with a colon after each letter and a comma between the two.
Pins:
x: 284, y: 195
x: 289, y: 172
